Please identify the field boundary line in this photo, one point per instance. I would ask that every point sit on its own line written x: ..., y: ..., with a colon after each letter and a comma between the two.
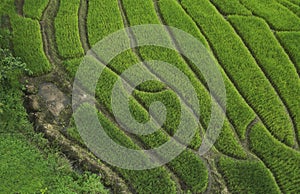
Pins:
x: 131, y: 36
x: 272, y: 28
x: 288, y: 53
x: 232, y: 80
x: 82, y: 19
x: 281, y: 3
x: 177, y: 47
x: 220, y: 63
x: 103, y: 109
x: 47, y: 24
x: 286, y: 107
x: 19, y: 4
x: 259, y: 65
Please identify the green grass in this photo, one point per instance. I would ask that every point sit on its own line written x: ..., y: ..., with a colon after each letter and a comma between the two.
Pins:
x: 143, y: 181
x: 233, y: 7
x: 169, y: 56
x: 103, y: 19
x: 296, y: 2
x: 292, y: 7
x: 67, y: 31
x: 274, y: 61
x: 28, y: 164
x: 191, y: 170
x: 278, y: 16
x: 24, y: 169
x: 238, y: 111
x: 34, y: 8
x: 247, y: 176
x: 241, y: 67
x: 290, y: 42
x: 280, y: 159
x: 153, y: 140
x: 28, y: 44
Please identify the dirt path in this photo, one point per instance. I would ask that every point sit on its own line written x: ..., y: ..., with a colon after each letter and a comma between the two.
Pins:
x: 19, y: 7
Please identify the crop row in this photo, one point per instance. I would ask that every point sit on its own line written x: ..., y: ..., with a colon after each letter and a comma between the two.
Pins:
x: 103, y: 93
x: 34, y: 8
x: 296, y: 2
x: 273, y: 59
x: 144, y: 181
x: 241, y: 67
x: 99, y: 24
x: 238, y: 111
x: 233, y: 7
x: 280, y: 159
x: 245, y: 176
x: 228, y: 145
x: 67, y: 31
x: 28, y: 44
x: 290, y: 42
x: 274, y: 13
x: 292, y: 7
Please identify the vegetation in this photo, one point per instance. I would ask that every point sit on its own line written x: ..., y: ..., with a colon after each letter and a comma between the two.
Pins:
x: 245, y: 176
x: 289, y: 41
x: 281, y: 160
x: 34, y: 9
x: 103, y: 19
x: 28, y: 44
x: 278, y: 16
x: 255, y: 45
x: 231, y: 7
x: 238, y: 112
x: 276, y: 64
x: 242, y: 68
x: 66, y: 29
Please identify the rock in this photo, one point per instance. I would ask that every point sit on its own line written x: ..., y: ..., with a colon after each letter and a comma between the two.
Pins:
x: 56, y: 100
x: 32, y: 103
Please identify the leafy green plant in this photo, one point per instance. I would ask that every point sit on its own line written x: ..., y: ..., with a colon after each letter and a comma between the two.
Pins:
x: 9, y: 65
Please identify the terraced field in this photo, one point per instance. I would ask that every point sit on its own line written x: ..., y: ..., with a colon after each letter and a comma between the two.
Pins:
x: 256, y: 46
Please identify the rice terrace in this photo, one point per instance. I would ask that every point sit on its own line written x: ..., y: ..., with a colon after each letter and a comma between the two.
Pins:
x: 190, y: 96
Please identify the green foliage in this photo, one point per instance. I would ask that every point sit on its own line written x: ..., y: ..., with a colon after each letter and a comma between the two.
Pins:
x: 274, y: 62
x: 237, y: 110
x: 175, y: 16
x: 9, y: 65
x: 241, y: 67
x: 233, y: 7
x: 72, y: 65
x: 27, y: 163
x: 67, y: 30
x: 292, y: 7
x: 296, y: 2
x: 191, y: 170
x: 167, y: 55
x: 144, y: 9
x: 290, y: 42
x: 278, y: 16
x: 103, y: 19
x: 5, y: 37
x: 280, y: 159
x: 34, y: 8
x: 244, y: 176
x: 28, y: 44
x: 143, y: 181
